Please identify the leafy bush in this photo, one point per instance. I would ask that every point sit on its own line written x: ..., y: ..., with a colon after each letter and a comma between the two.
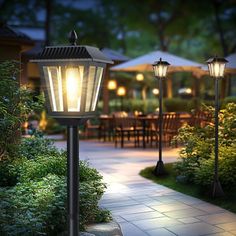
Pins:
x: 16, y: 105
x: 36, y: 204
x: 197, y: 157
x: 36, y: 145
x: 178, y: 104
x: 227, y: 168
x: 34, y: 207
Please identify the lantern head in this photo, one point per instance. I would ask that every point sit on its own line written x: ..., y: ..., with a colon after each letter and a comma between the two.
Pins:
x: 160, y: 68
x: 216, y: 66
x: 71, y: 78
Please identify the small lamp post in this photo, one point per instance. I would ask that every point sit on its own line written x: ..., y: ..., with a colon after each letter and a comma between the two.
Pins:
x: 216, y: 68
x: 121, y: 92
x: 72, y: 77
x: 160, y: 70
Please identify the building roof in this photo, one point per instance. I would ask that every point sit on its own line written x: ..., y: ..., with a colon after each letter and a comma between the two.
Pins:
x: 9, y: 35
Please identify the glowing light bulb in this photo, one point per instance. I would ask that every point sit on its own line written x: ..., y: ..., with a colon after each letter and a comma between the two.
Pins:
x: 73, y: 88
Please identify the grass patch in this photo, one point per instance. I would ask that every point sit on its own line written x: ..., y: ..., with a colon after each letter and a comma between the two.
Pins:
x: 169, y: 180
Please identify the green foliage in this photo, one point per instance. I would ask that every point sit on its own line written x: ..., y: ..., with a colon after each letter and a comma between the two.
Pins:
x: 230, y: 99
x: 131, y: 105
x: 34, y: 207
x: 36, y: 145
x: 178, y: 104
x: 35, y: 202
x: 197, y: 157
x: 227, y: 168
x: 53, y: 127
x: 16, y: 105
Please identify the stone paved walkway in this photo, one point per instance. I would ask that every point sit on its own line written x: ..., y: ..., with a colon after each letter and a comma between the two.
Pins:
x: 143, y: 208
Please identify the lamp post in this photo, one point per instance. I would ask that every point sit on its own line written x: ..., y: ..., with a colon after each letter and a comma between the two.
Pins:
x: 72, y: 76
x: 160, y: 70
x: 216, y: 68
x: 121, y: 91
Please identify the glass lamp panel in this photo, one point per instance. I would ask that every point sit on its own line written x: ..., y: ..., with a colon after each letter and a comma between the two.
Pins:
x: 53, y: 79
x: 164, y: 71
x: 155, y: 68
x: 222, y: 68
x: 74, y: 80
x: 216, y: 69
x: 97, y: 86
x: 210, y: 67
x: 90, y: 88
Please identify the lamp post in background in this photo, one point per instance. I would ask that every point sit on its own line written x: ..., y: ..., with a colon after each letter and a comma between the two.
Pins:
x: 111, y: 86
x: 216, y: 68
x: 160, y: 70
x: 72, y: 76
x: 121, y: 92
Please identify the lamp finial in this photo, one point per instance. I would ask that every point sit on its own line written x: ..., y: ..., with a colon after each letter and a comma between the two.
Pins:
x: 73, y: 37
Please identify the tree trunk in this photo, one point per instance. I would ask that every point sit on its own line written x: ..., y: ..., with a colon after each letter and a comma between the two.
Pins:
x: 48, y: 4
x: 225, y: 81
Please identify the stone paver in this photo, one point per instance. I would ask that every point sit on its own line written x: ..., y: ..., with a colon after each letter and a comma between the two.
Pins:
x: 143, y: 208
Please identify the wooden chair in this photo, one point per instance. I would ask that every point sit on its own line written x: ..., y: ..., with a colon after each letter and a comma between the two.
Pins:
x: 125, y: 129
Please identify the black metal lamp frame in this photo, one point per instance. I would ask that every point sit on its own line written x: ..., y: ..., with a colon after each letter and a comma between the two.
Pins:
x: 216, y: 190
x: 160, y: 169
x: 61, y: 56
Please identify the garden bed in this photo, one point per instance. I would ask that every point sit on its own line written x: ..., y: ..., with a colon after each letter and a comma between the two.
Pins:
x: 169, y: 180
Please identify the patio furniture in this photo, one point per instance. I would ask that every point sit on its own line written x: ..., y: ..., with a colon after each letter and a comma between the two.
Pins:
x: 126, y: 128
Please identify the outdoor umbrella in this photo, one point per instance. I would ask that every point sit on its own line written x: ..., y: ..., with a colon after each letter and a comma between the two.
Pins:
x: 144, y: 63
x: 231, y: 65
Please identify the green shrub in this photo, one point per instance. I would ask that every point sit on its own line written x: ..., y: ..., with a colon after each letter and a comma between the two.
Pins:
x: 36, y: 204
x: 7, y: 176
x: 34, y: 207
x: 36, y: 145
x: 35, y: 169
x: 227, y: 168
x: 230, y: 99
x: 16, y: 104
x: 178, y: 104
x: 197, y: 157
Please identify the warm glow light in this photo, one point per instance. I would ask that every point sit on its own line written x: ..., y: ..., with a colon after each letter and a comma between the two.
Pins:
x: 112, y: 85
x: 155, y: 91
x: 160, y: 68
x: 121, y: 91
x: 73, y: 85
x: 185, y: 91
x: 216, y: 67
x: 139, y: 77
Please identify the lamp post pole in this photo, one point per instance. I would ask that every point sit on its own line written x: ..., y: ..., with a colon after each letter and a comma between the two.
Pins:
x: 217, y: 190
x: 72, y: 179
x: 72, y: 76
x: 159, y: 169
x: 216, y: 68
x: 160, y: 70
